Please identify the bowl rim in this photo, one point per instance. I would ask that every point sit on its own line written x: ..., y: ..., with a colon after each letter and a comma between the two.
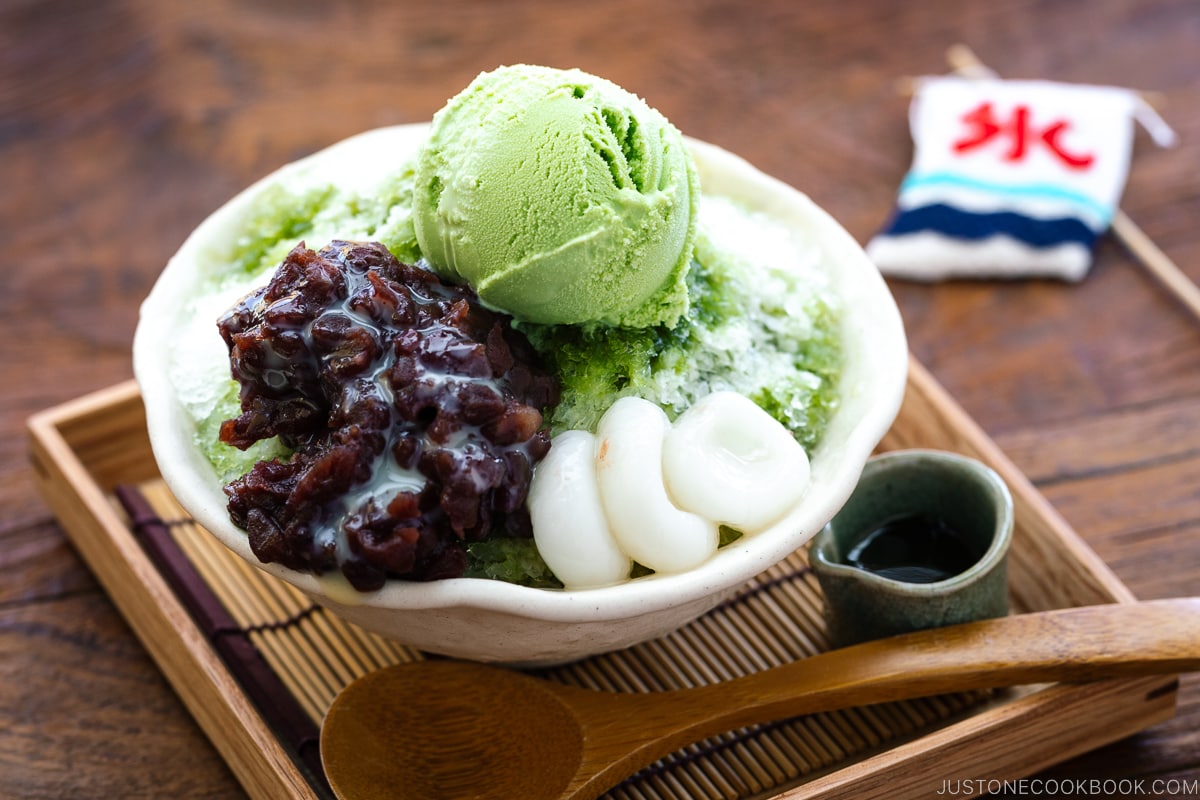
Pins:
x: 868, y: 309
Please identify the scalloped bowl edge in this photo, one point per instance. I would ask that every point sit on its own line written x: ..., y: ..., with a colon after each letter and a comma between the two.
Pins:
x: 495, y: 621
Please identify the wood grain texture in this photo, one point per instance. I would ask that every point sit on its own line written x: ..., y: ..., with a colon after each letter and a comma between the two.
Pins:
x: 124, y: 122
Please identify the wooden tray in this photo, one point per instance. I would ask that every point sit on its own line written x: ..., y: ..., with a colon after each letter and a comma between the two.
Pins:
x: 84, y: 449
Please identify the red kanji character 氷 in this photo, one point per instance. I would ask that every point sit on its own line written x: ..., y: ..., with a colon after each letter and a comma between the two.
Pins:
x: 985, y: 127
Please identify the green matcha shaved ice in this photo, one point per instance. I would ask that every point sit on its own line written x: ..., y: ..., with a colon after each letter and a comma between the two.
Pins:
x: 760, y: 323
x: 511, y: 560
x: 281, y: 216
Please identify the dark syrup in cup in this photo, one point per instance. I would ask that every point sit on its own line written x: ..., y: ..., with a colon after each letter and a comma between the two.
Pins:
x: 913, y: 548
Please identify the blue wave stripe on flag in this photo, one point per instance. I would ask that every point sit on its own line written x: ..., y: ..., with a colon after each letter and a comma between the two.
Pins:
x: 1046, y: 191
x: 961, y: 224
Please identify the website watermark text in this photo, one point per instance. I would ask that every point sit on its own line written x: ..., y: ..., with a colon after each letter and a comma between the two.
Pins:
x: 1079, y: 787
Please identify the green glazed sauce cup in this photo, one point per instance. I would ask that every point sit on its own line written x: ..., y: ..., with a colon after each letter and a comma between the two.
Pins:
x: 968, y: 496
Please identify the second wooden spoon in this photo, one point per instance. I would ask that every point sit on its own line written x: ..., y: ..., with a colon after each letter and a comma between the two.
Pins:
x: 449, y: 729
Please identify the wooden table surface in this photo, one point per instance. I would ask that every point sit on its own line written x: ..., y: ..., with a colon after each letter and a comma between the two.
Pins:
x: 124, y: 123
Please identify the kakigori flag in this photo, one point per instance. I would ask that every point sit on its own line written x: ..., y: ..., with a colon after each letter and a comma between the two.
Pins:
x: 1010, y: 178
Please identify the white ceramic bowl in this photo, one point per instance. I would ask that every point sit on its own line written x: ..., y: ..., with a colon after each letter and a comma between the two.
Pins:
x: 495, y: 621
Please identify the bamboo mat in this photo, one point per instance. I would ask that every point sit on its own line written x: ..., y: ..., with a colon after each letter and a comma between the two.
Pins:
x: 293, y: 657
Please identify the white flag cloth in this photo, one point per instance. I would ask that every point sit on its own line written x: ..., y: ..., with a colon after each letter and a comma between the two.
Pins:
x: 1010, y: 178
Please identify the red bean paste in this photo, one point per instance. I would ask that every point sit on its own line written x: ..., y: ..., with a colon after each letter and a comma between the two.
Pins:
x: 414, y: 415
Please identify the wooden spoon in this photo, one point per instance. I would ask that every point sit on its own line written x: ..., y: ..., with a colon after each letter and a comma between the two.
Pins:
x: 451, y: 729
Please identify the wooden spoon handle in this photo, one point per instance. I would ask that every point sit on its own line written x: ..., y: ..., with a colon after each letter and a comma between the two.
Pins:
x: 1076, y: 644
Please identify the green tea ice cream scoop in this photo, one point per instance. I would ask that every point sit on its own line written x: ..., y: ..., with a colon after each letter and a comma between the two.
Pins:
x: 560, y: 198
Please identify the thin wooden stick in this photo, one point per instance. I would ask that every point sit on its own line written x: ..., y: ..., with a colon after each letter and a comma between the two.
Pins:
x: 963, y: 61
x: 1155, y: 260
